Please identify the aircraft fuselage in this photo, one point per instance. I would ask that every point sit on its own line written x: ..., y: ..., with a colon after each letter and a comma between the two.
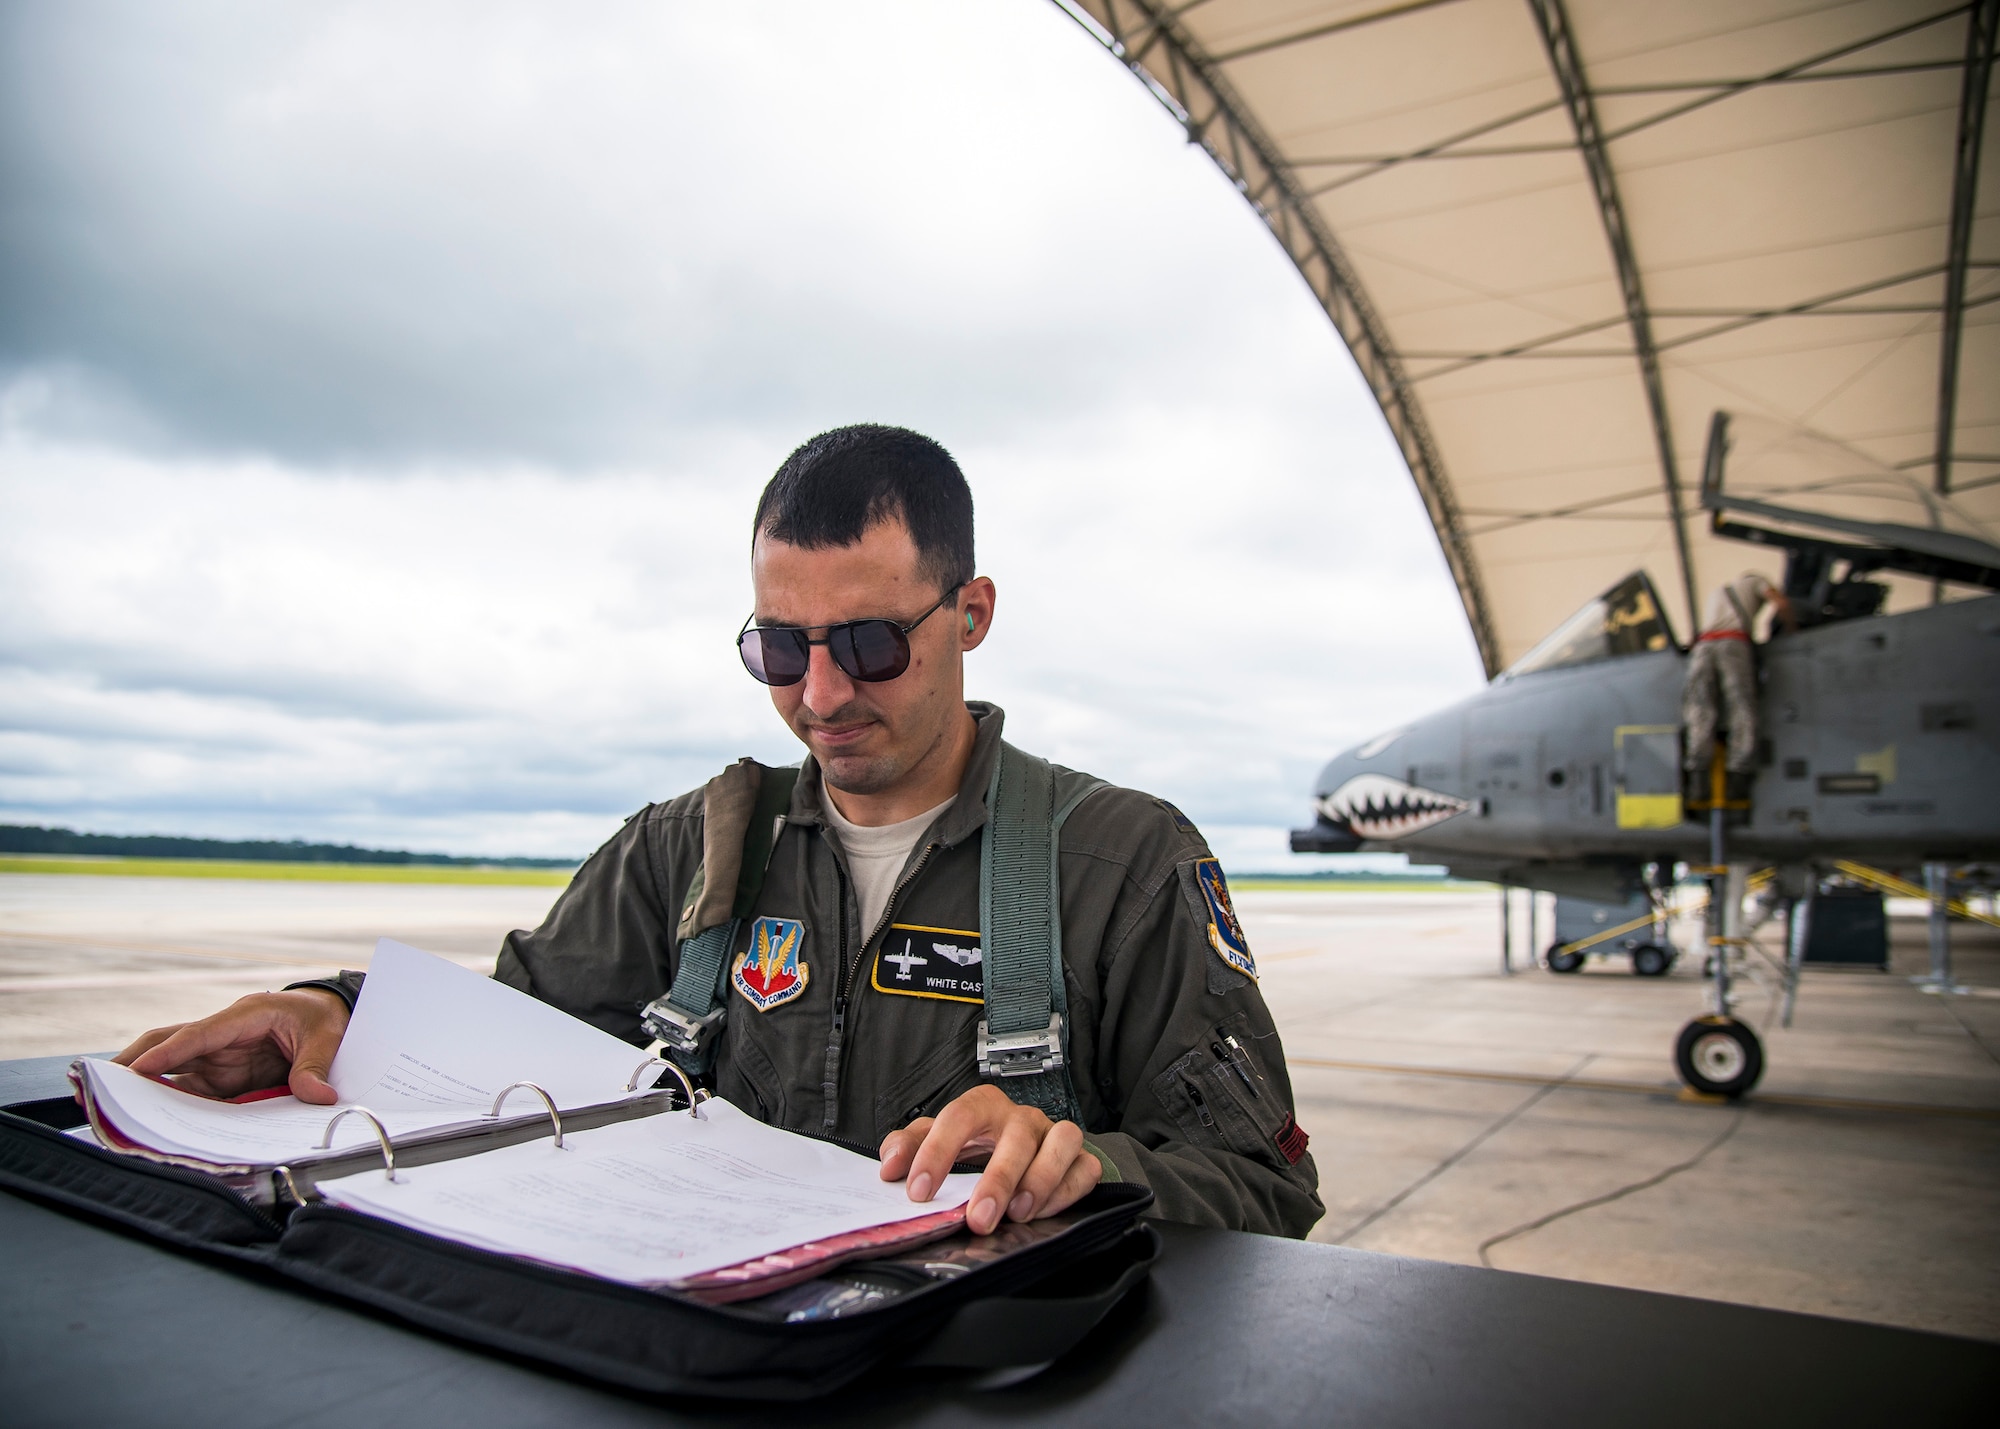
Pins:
x: 1880, y: 741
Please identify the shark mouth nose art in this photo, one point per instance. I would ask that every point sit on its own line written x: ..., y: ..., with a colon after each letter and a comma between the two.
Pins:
x: 1376, y: 806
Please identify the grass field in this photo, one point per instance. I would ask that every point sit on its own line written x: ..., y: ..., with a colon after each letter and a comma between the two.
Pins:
x: 287, y: 872
x: 549, y: 877
x: 1250, y: 883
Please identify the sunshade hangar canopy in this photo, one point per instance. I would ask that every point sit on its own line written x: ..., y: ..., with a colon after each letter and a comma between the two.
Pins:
x: 1559, y: 235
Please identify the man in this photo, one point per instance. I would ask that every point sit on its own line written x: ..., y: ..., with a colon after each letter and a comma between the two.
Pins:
x: 1721, y: 678
x: 866, y: 604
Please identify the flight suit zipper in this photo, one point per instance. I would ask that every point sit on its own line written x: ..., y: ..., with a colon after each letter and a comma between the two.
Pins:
x: 830, y: 1078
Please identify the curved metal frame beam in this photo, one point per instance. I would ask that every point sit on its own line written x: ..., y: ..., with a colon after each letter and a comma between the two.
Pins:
x: 1979, y: 41
x: 1553, y: 22
x: 1147, y: 39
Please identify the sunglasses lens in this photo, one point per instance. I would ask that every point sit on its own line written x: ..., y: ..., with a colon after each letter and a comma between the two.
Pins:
x: 871, y: 650
x: 777, y: 657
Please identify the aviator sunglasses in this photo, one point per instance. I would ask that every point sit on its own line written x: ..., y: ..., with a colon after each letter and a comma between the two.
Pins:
x: 868, y: 650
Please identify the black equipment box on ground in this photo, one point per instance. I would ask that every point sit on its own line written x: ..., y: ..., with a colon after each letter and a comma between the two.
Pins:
x: 1847, y: 927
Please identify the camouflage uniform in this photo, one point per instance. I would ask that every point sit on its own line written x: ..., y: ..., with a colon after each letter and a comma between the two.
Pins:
x: 1722, y: 675
x: 1721, y: 683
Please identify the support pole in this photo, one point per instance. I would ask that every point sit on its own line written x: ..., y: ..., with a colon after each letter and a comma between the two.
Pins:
x: 1718, y: 882
x: 1506, y: 931
x: 1534, y: 913
x: 1798, y: 927
x: 1937, y: 883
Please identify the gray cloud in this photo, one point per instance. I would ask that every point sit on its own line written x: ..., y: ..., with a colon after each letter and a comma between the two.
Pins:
x: 383, y: 393
x: 337, y: 234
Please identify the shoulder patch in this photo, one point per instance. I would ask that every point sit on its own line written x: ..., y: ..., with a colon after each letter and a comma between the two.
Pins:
x: 770, y: 971
x: 1181, y: 821
x: 1225, y: 934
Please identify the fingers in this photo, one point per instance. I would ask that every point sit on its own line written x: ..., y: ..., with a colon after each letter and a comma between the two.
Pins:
x: 146, y: 1041
x: 1059, y: 1152
x: 194, y: 1040
x: 998, y: 1187
x: 1084, y: 1173
x: 1036, y: 1168
x: 899, y: 1148
x: 980, y: 1117
x: 255, y: 1042
x: 312, y: 1038
x: 311, y: 1063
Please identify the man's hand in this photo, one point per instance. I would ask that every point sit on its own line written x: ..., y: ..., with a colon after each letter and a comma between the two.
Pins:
x: 1035, y: 1167
x: 258, y: 1041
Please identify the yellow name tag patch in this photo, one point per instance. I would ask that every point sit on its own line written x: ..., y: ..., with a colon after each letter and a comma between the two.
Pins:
x: 944, y: 963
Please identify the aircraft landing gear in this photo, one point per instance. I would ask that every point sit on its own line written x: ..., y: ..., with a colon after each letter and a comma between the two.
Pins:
x: 1565, y: 959
x: 1719, y: 1056
x: 1716, y: 1054
x: 1651, y: 960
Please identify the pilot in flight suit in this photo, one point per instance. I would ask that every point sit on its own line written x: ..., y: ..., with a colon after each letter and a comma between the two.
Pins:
x: 1175, y: 1060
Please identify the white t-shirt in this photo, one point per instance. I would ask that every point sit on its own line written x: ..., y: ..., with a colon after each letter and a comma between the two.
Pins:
x: 875, y: 856
x: 1751, y: 591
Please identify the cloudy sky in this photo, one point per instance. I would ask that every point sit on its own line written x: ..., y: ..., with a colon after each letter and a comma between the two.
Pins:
x: 384, y: 392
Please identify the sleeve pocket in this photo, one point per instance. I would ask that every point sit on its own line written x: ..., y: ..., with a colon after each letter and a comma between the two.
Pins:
x: 1219, y: 1098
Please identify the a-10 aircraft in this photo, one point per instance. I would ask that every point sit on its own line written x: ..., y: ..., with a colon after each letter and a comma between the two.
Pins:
x: 1878, y: 733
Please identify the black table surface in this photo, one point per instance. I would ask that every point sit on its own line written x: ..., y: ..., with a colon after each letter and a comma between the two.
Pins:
x: 100, y: 1327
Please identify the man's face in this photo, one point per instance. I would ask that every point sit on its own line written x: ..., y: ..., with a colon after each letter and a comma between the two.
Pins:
x: 869, y: 737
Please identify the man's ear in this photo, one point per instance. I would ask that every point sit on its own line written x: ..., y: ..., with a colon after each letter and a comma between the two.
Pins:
x: 976, y: 606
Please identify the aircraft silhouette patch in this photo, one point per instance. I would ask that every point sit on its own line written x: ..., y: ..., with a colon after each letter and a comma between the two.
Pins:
x: 1225, y: 934
x: 770, y: 971
x: 944, y: 963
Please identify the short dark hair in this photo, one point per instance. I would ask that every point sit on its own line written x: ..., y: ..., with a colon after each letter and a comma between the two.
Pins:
x: 836, y: 486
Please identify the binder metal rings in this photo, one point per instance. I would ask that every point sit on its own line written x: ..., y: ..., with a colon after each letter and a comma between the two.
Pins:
x: 695, y: 1098
x: 547, y: 1101
x: 381, y: 1135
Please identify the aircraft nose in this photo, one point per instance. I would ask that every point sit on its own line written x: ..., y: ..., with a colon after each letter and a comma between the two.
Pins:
x: 1326, y: 835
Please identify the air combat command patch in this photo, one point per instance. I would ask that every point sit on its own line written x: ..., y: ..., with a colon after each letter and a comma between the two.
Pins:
x: 943, y: 963
x: 1225, y: 934
x: 770, y: 971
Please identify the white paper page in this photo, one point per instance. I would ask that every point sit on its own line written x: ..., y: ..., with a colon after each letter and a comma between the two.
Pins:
x: 282, y: 1129
x: 427, y: 1032
x: 429, y: 1045
x: 647, y: 1201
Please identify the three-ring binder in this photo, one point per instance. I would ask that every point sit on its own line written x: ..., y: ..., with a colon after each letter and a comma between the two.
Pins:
x: 695, y: 1097
x: 540, y: 1091
x: 381, y: 1135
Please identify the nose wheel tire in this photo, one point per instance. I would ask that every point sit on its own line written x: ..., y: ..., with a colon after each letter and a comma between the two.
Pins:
x: 1719, y: 1056
x: 1651, y: 960
x: 1564, y: 959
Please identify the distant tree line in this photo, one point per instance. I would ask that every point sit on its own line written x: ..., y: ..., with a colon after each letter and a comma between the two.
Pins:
x: 31, y: 838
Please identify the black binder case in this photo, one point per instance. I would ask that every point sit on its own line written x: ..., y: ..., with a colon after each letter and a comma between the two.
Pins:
x: 1023, y: 1309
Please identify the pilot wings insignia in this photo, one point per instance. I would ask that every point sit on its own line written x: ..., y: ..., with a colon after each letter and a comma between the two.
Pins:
x: 942, y: 963
x: 770, y: 971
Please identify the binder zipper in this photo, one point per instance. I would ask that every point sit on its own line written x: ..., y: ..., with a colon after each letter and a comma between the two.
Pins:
x: 213, y: 1187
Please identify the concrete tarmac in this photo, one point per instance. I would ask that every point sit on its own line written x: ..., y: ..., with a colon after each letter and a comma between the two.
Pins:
x: 1532, y: 1122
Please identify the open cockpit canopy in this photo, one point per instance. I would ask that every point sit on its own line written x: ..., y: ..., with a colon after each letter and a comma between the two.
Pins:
x: 1788, y: 485
x: 1559, y: 235
x: 1625, y: 620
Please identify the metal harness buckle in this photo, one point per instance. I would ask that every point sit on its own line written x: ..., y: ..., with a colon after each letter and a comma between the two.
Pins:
x: 1020, y: 1054
x: 680, y: 1031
